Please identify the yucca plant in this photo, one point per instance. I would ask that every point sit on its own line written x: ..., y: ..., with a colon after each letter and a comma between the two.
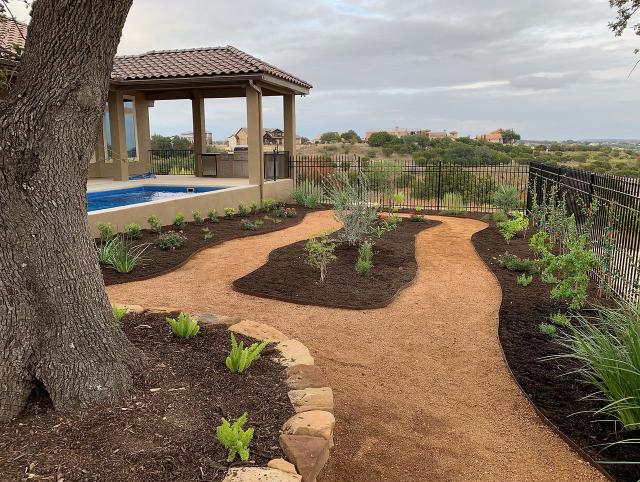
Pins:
x: 234, y: 438
x: 124, y: 256
x: 241, y: 357
x: 608, y: 351
x: 184, y: 326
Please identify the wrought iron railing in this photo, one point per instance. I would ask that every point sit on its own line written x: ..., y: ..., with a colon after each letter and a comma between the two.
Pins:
x: 172, y: 161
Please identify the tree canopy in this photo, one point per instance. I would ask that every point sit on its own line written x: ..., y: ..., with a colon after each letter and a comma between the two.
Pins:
x: 330, y: 137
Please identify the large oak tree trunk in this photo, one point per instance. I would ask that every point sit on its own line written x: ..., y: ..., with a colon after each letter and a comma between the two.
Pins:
x: 56, y: 324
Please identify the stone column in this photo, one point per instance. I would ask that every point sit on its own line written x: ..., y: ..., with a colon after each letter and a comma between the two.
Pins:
x: 289, y: 109
x: 199, y: 141
x: 254, y: 136
x: 142, y: 131
x: 118, y: 138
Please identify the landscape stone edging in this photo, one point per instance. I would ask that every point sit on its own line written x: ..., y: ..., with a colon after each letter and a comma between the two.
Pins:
x: 307, y: 436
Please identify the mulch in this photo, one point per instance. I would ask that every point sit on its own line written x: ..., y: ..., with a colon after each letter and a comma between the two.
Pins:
x: 165, y: 429
x: 287, y: 277
x: 558, y: 394
x: 157, y: 261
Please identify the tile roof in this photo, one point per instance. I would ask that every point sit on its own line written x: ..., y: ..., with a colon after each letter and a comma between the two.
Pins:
x: 12, y: 33
x: 201, y: 62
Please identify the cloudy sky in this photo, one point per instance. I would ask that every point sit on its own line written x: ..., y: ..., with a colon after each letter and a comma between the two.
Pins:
x: 551, y: 69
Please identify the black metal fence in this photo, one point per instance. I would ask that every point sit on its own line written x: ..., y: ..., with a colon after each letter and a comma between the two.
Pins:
x: 615, y: 234
x: 435, y: 186
x: 172, y: 161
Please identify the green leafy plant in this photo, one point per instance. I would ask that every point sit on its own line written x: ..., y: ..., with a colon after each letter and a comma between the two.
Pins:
x: 123, y: 255
x: 560, y: 319
x: 119, y: 312
x: 170, y: 241
x: 154, y: 223
x: 308, y: 194
x: 133, y: 231
x: 320, y: 253
x: 416, y: 217
x: 197, y: 217
x: 499, y: 216
x: 365, y: 258
x: 229, y: 212
x: 212, y: 216
x: 207, y: 234
x: 241, y: 357
x: 524, y: 280
x: 106, y: 231
x: 184, y: 326
x: 234, y: 438
x: 253, y: 208
x: 248, y: 225
x: 514, y: 263
x: 268, y: 204
x: 243, y: 210
x: 548, y: 329
x: 539, y: 244
x: 105, y: 251
x: 505, y: 198
x: 179, y: 221
x: 513, y: 226
x: 290, y: 212
x: 607, y: 349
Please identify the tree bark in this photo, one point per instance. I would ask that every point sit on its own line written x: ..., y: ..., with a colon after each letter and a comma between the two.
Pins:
x: 56, y: 324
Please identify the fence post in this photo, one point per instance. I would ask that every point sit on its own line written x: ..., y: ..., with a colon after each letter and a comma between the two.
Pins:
x: 592, y: 181
x: 529, y: 188
x: 439, y: 186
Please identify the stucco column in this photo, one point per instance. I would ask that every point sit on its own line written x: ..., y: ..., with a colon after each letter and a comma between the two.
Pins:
x: 199, y: 141
x: 118, y: 138
x: 142, y: 131
x: 289, y: 109
x: 254, y: 136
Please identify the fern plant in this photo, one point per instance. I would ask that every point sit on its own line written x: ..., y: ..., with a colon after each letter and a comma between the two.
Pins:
x: 184, y: 326
x: 241, y: 357
x: 234, y: 438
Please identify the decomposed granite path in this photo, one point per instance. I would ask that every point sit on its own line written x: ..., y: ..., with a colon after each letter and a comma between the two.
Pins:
x: 421, y: 390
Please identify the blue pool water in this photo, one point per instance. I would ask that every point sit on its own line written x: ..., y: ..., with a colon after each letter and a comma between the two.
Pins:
x: 138, y: 195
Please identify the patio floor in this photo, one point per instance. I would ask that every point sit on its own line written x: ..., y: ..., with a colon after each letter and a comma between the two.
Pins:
x: 104, y: 184
x: 421, y: 390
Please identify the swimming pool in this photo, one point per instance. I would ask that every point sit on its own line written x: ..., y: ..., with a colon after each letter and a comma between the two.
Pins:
x: 138, y: 195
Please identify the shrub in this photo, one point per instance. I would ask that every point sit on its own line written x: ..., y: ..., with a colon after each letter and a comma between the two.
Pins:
x: 179, y: 221
x: 241, y: 357
x: 453, y: 203
x: 290, y: 213
x: 253, y: 208
x: 212, y: 216
x: 197, y: 217
x: 548, y: 329
x: 365, y: 258
x: 207, y: 234
x: 560, y: 319
x: 351, y: 205
x: 539, y: 244
x: 513, y: 226
x: 505, y: 198
x: 524, y: 280
x: 308, y: 194
x: 320, y: 253
x: 243, y: 210
x: 123, y: 256
x: 500, y: 216
x: 119, y: 312
x: 133, y: 231
x: 268, y: 204
x: 154, y: 223
x: 170, y: 241
x: 184, y: 326
x: 514, y: 263
x: 229, y: 212
x: 234, y: 438
x: 608, y: 351
x: 106, y: 231
x: 248, y: 225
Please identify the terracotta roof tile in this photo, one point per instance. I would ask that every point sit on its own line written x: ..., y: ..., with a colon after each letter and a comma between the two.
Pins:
x: 12, y: 33
x: 202, y: 62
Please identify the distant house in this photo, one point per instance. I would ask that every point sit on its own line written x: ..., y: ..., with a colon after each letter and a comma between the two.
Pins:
x: 493, y: 136
x: 401, y: 132
x: 270, y: 137
x: 208, y: 137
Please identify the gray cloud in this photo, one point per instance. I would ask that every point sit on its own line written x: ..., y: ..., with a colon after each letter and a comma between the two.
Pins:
x: 549, y: 68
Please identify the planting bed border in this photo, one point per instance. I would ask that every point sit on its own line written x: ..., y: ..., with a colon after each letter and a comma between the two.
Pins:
x: 568, y: 440
x: 114, y: 278
x: 267, y: 281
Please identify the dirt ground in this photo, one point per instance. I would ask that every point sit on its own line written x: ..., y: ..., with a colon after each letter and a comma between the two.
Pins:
x: 421, y: 391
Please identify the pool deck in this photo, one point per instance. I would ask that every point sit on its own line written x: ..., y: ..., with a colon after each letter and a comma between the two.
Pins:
x: 109, y: 184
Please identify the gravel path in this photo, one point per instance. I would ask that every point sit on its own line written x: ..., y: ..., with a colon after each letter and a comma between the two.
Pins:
x: 420, y: 387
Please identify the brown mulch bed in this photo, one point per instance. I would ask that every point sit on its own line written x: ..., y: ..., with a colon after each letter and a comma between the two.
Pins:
x: 158, y: 262
x: 558, y: 394
x: 165, y: 434
x: 287, y: 277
